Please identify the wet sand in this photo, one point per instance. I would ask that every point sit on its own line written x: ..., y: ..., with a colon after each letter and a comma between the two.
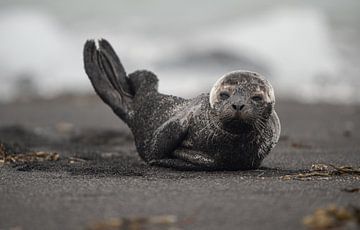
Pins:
x: 99, y: 175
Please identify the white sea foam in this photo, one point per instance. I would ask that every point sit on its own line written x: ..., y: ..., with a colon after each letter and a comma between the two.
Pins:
x: 293, y: 46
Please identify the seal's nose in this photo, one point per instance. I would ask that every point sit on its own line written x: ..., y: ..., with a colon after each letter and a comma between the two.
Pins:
x: 237, y: 107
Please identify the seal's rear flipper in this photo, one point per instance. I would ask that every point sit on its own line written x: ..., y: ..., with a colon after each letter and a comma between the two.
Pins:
x: 115, y: 71
x: 108, y: 77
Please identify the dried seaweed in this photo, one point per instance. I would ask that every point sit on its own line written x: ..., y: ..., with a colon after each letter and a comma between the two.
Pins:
x: 136, y: 223
x: 7, y: 157
x: 2, y: 154
x: 346, y: 169
x: 32, y: 157
x: 333, y: 217
x: 319, y: 167
x: 323, y: 171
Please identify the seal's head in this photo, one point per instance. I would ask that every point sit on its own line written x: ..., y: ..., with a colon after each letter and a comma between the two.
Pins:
x: 242, y: 100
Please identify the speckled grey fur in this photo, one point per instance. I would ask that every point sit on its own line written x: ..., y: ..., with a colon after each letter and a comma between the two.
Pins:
x: 208, y: 132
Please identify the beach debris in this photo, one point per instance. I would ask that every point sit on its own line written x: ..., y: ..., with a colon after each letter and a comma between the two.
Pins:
x: 333, y: 217
x: 323, y: 171
x: 32, y: 157
x: 346, y: 169
x: 2, y: 154
x: 351, y: 190
x: 136, y: 223
x: 319, y: 167
x: 8, y: 157
x: 73, y: 160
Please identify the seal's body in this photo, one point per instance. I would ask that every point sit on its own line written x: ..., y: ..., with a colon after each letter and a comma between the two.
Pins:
x: 234, y: 127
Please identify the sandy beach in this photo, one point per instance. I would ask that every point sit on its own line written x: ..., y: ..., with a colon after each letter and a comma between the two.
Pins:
x: 97, y: 174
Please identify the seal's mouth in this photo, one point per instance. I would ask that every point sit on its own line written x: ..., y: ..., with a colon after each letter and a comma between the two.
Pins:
x: 238, y: 116
x: 236, y: 124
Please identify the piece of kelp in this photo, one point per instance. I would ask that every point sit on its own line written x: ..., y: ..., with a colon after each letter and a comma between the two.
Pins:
x: 323, y: 171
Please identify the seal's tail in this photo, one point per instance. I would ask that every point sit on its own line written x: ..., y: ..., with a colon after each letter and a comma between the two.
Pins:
x: 108, y: 77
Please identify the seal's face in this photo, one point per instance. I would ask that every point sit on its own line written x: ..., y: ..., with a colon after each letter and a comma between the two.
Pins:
x: 242, y: 100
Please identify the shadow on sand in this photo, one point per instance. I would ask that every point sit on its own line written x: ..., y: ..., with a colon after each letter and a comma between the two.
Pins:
x: 101, y: 153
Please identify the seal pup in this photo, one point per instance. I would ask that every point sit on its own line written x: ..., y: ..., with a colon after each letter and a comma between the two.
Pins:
x: 231, y: 128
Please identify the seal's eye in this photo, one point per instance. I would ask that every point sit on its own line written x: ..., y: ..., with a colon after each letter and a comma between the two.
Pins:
x: 257, y: 98
x: 224, y: 95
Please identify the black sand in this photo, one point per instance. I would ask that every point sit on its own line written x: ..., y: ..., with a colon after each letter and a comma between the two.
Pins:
x: 106, y: 179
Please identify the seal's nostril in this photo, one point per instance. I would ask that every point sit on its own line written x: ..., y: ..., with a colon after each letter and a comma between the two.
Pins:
x: 237, y: 107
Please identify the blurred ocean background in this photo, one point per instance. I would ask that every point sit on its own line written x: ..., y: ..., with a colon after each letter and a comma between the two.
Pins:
x: 310, y: 50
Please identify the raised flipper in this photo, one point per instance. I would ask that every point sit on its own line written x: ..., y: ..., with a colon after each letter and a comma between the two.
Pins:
x: 108, y: 77
x: 114, y: 69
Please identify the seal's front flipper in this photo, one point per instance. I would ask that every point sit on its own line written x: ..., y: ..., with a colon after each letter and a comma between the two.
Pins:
x: 166, y: 139
x: 169, y: 136
x: 195, y: 157
x: 108, y: 77
x: 165, y: 150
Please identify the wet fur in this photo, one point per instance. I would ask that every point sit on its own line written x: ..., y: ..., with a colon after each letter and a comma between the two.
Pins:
x: 185, y: 134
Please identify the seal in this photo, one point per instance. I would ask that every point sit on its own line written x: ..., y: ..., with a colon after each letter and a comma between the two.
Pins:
x: 231, y: 128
